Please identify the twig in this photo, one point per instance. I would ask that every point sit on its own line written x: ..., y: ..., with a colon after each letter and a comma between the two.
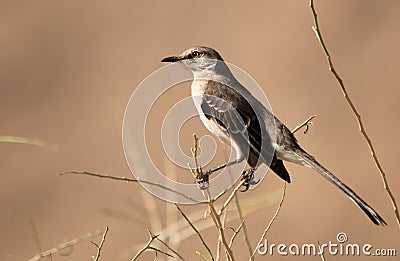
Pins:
x: 128, y: 180
x: 242, y: 220
x: 198, y: 172
x: 202, y: 256
x: 196, y: 231
x: 151, y: 239
x: 219, y: 246
x: 355, y: 112
x: 321, y: 253
x: 272, y: 221
x: 103, y: 239
x: 148, y: 246
x: 26, y: 140
x: 306, y: 123
x: 219, y: 243
x: 240, y: 214
x: 170, y: 249
x: 65, y: 245
x: 194, y: 153
x: 217, y: 221
x: 231, y: 196
x: 180, y: 230
x: 235, y: 233
x: 156, y: 250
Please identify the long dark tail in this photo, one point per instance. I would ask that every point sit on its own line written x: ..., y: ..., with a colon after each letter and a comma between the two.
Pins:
x: 311, y: 162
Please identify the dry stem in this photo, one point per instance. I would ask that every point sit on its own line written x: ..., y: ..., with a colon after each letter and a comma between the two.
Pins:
x: 355, y: 112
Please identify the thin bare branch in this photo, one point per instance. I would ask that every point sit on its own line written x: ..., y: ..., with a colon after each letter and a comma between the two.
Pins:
x: 242, y: 220
x: 196, y: 231
x: 202, y: 256
x: 141, y: 251
x: 235, y: 233
x: 27, y: 140
x: 103, y: 239
x: 148, y: 246
x: 219, y: 242
x: 128, y: 180
x: 217, y: 221
x: 270, y: 222
x: 68, y: 244
x: 194, y: 154
x: 231, y: 196
x: 321, y: 252
x: 213, y: 212
x: 306, y: 124
x: 181, y: 230
x: 318, y: 34
x: 170, y: 249
x: 240, y: 214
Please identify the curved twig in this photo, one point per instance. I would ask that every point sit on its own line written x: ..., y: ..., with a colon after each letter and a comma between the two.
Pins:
x: 271, y: 221
x: 355, y: 112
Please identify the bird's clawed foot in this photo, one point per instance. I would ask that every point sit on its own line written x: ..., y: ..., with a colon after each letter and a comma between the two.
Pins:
x: 203, y: 180
x: 248, y: 177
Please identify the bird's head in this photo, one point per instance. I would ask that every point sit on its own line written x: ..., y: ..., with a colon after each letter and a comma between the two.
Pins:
x: 197, y: 59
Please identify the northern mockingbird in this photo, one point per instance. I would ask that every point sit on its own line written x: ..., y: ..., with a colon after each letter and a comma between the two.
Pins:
x: 236, y: 117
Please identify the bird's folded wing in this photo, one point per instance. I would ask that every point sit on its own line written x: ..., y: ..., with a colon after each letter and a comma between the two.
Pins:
x: 237, y: 118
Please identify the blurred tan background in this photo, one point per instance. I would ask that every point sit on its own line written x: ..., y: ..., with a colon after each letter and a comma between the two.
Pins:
x: 68, y: 68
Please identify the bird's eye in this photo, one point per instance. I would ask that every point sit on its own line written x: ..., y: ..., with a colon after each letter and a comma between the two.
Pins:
x: 195, y: 54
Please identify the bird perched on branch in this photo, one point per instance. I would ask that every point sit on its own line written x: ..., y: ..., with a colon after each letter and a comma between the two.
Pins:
x: 237, y: 118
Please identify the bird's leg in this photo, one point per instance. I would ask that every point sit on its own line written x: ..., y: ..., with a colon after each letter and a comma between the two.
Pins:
x: 203, y: 182
x: 230, y: 163
x: 248, y: 177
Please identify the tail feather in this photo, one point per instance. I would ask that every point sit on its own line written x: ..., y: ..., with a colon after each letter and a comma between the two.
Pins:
x: 308, y: 160
x: 278, y: 167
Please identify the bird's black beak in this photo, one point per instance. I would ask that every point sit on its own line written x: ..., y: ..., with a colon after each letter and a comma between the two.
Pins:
x: 171, y: 59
